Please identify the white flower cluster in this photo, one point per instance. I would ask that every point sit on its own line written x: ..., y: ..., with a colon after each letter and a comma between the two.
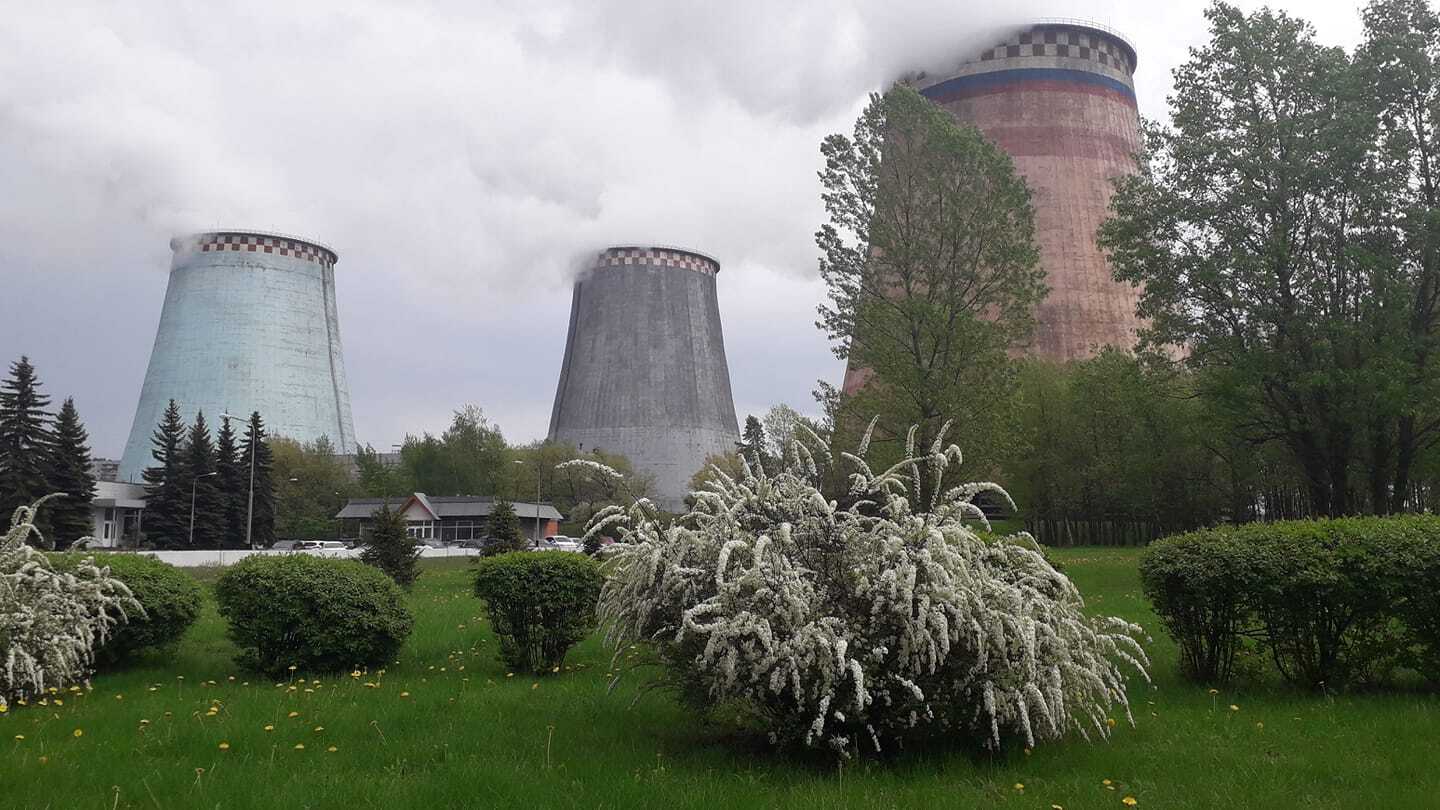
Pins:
x: 860, y: 627
x: 51, y: 622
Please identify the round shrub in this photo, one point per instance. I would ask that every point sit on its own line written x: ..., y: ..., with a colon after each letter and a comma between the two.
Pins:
x: 170, y: 599
x: 1334, y: 602
x: 856, y: 628
x: 313, y: 613
x: 540, y: 604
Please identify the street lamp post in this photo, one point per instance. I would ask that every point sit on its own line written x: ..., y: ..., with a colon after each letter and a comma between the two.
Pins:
x: 194, y: 484
x: 537, y: 501
x: 250, y: 509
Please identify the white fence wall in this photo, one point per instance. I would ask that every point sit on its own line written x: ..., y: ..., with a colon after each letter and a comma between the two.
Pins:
x: 197, y: 559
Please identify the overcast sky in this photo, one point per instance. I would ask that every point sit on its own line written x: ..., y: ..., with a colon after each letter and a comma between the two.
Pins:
x: 460, y: 156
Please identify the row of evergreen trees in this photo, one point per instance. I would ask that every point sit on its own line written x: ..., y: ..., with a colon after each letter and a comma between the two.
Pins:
x: 198, y: 492
x: 42, y: 454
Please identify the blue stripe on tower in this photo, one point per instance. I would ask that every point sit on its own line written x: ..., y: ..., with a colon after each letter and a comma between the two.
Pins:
x: 994, y: 81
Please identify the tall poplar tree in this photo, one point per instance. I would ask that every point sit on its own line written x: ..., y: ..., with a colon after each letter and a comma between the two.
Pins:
x: 165, y: 520
x: 207, y: 510
x: 231, y: 482
x: 262, y: 514
x: 24, y: 442
x: 70, y: 515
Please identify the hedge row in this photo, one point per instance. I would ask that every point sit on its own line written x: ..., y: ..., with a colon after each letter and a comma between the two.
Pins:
x: 1332, y: 602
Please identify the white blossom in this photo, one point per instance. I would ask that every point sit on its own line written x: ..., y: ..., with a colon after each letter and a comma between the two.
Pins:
x: 51, y: 622
x: 867, y: 624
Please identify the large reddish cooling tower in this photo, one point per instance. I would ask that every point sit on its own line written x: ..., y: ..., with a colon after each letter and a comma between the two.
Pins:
x: 1060, y: 99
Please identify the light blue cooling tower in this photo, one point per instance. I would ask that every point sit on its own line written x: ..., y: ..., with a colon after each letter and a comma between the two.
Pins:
x: 249, y: 324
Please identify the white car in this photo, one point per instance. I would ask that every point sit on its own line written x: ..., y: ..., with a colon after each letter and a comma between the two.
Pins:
x: 559, y: 542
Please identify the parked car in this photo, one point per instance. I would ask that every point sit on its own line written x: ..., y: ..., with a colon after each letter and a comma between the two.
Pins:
x: 283, y: 545
x: 317, y: 545
x: 559, y: 542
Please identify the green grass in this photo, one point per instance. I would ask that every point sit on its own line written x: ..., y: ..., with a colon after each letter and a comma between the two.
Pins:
x: 468, y: 736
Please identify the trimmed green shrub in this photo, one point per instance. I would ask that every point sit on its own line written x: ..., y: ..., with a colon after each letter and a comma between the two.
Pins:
x: 171, y: 599
x: 313, y: 613
x: 1200, y: 586
x: 540, y: 603
x: 1334, y: 602
x: 1420, y: 612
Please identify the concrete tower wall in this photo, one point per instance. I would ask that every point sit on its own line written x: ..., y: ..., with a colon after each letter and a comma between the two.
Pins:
x: 249, y: 324
x: 644, y: 373
x: 1060, y: 99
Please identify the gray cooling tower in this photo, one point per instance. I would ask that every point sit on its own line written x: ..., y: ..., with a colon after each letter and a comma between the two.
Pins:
x: 249, y: 324
x: 644, y: 372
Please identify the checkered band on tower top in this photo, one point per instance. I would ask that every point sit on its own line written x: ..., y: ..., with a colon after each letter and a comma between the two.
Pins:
x: 657, y: 257
x: 220, y: 242
x: 1055, y: 40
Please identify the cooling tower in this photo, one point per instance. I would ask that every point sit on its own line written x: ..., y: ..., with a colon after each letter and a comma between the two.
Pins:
x: 1060, y: 99
x: 249, y: 324
x: 644, y: 373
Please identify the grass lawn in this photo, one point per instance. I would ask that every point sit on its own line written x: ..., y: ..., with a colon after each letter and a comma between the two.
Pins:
x: 446, y: 727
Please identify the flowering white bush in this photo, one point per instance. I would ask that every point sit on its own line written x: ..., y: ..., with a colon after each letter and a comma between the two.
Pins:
x: 857, y: 628
x: 51, y: 622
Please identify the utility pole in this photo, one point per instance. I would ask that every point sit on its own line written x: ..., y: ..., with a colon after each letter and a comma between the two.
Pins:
x: 250, y: 509
x: 193, y: 484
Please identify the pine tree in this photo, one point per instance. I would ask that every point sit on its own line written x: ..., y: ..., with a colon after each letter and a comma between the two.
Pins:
x: 232, y: 481
x: 24, y: 442
x: 752, y: 441
x: 70, y: 474
x: 166, y: 517
x: 504, y: 530
x: 206, y: 512
x: 391, y: 548
x: 262, y: 513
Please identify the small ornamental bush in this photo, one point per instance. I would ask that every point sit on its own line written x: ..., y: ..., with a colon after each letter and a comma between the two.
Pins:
x: 170, y: 598
x: 1332, y: 602
x: 312, y: 613
x: 51, y: 622
x: 391, y: 548
x: 856, y: 628
x: 540, y: 604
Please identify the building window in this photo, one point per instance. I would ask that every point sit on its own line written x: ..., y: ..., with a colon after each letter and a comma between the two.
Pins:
x: 421, y: 530
x: 458, y: 531
x: 108, y: 530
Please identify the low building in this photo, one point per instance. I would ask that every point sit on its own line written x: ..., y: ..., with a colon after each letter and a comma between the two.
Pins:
x: 115, y: 512
x: 448, y: 519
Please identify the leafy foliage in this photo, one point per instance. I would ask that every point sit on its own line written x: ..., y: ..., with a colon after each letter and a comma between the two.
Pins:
x: 52, y: 622
x: 930, y: 266
x: 856, y: 628
x: 170, y: 599
x: 469, y: 458
x: 312, y: 484
x: 1333, y: 602
x: 313, y: 613
x: 540, y: 604
x: 390, y: 547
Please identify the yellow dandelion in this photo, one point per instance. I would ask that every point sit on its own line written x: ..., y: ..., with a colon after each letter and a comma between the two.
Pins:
x: 43, y: 701
x: 535, y: 685
x: 1234, y: 708
x: 293, y: 714
x: 153, y: 689
x: 75, y: 689
x: 52, y: 690
x: 144, y: 722
x: 79, y: 732
x: 231, y: 678
x: 119, y: 697
x: 1056, y: 807
x: 4, y: 708
x: 292, y: 667
x: 1020, y: 786
x: 59, y: 702
x: 299, y: 746
x: 332, y: 749
x: 169, y: 714
x: 1110, y: 721
x: 319, y: 729
x: 509, y: 674
x: 224, y: 746
x: 556, y: 669
x: 1027, y: 752
x: 309, y: 691
x: 1214, y: 691
x: 355, y: 674
x: 1259, y: 726
x: 1129, y: 801
x: 43, y: 760
x: 269, y: 727
x: 1105, y: 782
x: 404, y: 694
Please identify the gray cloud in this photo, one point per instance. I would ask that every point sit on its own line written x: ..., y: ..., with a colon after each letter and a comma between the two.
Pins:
x: 460, y: 156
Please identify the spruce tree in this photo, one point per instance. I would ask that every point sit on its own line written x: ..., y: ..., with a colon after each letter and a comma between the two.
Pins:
x: 166, y: 508
x: 70, y: 474
x: 752, y: 441
x: 232, y: 482
x: 391, y: 548
x: 207, y: 510
x: 505, y: 532
x: 24, y: 442
x: 262, y: 514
